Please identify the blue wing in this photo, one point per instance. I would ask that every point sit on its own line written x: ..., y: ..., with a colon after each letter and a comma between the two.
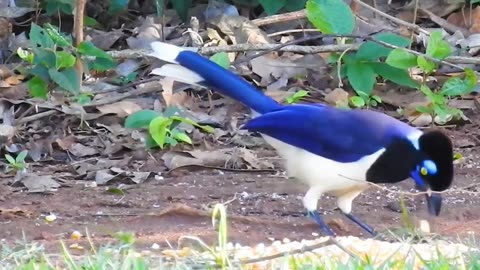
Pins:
x: 340, y: 135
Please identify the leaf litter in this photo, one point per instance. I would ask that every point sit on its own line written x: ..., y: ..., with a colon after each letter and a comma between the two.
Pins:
x: 96, y: 148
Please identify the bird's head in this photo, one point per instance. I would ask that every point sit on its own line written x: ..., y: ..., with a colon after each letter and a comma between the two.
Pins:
x: 434, y: 169
x: 427, y: 158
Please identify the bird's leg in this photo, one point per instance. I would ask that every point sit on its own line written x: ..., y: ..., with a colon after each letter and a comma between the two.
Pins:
x: 310, y: 201
x: 361, y: 223
x: 345, y: 204
x: 320, y: 222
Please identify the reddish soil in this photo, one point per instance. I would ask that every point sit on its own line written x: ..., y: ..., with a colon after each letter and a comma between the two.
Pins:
x: 265, y: 206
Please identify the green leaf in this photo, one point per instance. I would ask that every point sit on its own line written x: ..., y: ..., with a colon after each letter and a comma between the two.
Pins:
x: 426, y: 65
x: 44, y: 56
x: 296, y: 96
x: 89, y: 21
x: 140, y: 119
x: 396, y: 75
x: 182, y: 137
x: 426, y: 91
x: 10, y: 159
x: 193, y: 123
x: 401, y: 59
x: 295, y: 5
x: 83, y: 99
x: 373, y: 51
x: 57, y: 37
x: 169, y: 140
x: 39, y: 37
x: 88, y: 48
x: 150, y: 142
x: 37, y: 87
x: 182, y: 7
x: 64, y: 60
x: 117, y: 5
x: 102, y: 64
x: 21, y: 156
x: 40, y: 71
x: 437, y: 47
x: 271, y: 7
x: 66, y: 79
x: 377, y: 98
x: 116, y: 191
x: 456, y: 86
x: 331, y: 16
x: 158, y: 129
x: 424, y: 109
x: 25, y: 55
x: 357, y: 101
x: 361, y: 76
x: 221, y: 59
x: 55, y: 6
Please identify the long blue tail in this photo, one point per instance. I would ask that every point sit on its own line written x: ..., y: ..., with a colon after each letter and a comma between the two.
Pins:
x: 195, y: 69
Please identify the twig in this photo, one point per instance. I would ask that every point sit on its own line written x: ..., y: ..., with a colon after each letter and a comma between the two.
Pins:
x: 449, y: 27
x: 280, y: 18
x: 34, y: 117
x: 410, y: 26
x: 129, y: 54
x: 278, y: 47
x: 113, y: 99
x: 128, y: 85
x: 451, y: 190
x: 304, y: 249
x: 289, y: 31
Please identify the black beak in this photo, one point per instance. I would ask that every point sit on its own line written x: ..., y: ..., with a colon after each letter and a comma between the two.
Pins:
x: 434, y: 202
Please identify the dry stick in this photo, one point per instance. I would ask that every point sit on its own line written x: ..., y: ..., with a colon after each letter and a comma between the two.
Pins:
x: 130, y: 54
x: 451, y: 190
x: 449, y: 27
x: 304, y: 249
x: 34, y: 117
x: 280, y: 18
x: 78, y: 33
x: 410, y: 26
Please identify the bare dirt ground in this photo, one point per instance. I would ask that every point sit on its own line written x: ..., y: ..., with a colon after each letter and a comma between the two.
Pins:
x: 261, y: 206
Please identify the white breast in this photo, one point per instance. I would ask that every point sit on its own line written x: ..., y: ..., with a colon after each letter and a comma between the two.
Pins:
x: 344, y: 180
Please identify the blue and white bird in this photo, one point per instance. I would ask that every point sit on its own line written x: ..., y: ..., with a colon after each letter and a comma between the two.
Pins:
x: 333, y: 151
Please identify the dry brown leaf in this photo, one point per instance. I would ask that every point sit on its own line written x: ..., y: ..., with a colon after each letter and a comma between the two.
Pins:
x: 466, y: 18
x: 167, y: 87
x: 80, y: 150
x: 121, y: 108
x: 14, y: 79
x: 66, y: 142
x: 39, y: 183
x: 337, y: 97
x: 223, y: 158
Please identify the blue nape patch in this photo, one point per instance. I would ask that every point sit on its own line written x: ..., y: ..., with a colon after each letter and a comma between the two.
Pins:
x: 430, y: 166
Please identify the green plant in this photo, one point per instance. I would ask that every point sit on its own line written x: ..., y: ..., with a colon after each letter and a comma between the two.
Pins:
x: 363, y: 67
x: 18, y: 163
x: 220, y: 212
x: 438, y: 49
x: 296, y: 97
x: 53, y: 58
x: 365, y: 100
x: 163, y: 128
x: 67, y: 6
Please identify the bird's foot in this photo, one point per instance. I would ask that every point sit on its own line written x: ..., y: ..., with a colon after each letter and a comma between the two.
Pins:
x: 362, y: 224
x: 319, y: 220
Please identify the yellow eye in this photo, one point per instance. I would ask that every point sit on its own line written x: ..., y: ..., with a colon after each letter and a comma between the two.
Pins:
x: 423, y: 171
